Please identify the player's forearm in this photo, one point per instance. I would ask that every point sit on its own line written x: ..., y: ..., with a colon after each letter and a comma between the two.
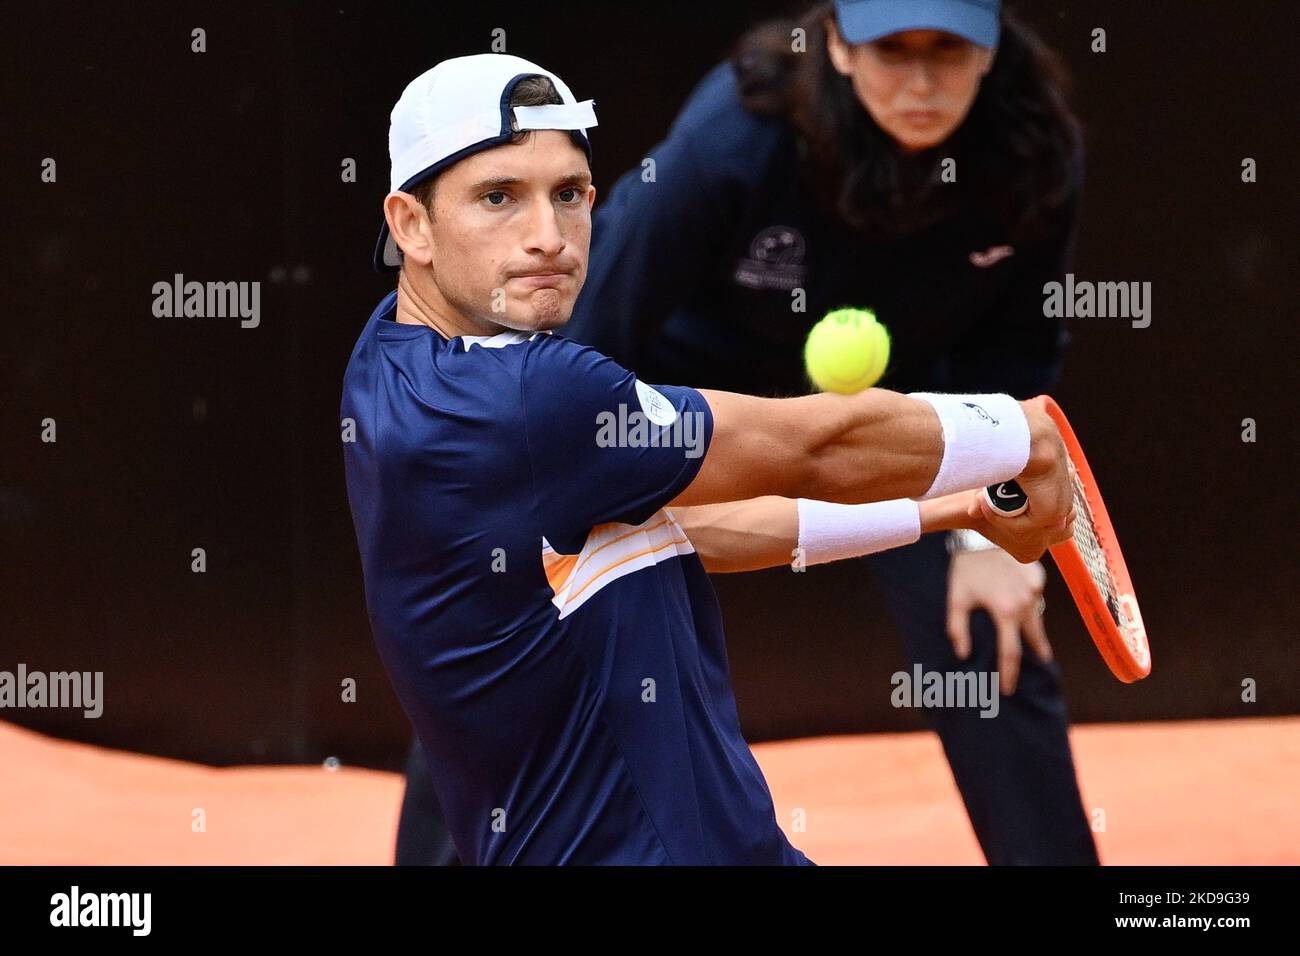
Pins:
x: 848, y: 448
x: 742, y: 535
x: 930, y: 445
x: 764, y: 532
x: 872, y: 446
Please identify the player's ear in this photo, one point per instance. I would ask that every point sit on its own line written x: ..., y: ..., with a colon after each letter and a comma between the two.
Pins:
x: 409, y: 224
x: 591, y: 196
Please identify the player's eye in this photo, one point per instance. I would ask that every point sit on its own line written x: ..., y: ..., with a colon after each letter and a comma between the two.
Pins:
x: 495, y: 198
x: 568, y: 194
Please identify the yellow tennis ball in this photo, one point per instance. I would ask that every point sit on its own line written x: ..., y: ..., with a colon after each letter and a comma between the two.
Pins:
x: 846, y: 351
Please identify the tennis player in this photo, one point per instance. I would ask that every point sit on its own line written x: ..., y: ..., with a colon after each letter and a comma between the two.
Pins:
x: 536, y: 524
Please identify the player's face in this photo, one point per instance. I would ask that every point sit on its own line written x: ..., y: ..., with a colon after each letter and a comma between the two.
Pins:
x: 917, y: 85
x: 510, y: 232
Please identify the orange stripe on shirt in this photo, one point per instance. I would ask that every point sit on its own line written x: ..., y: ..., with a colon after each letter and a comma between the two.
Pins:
x: 639, y: 529
x: 565, y: 566
x: 631, y: 557
x: 559, y: 569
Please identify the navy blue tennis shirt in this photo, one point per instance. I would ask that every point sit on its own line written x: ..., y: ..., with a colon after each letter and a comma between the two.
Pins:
x: 699, y: 261
x: 547, y: 626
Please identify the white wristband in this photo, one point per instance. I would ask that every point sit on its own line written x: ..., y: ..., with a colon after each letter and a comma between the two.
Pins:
x: 831, y: 532
x: 985, y: 440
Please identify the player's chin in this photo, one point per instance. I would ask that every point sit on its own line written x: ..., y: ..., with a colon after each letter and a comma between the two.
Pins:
x: 545, y: 309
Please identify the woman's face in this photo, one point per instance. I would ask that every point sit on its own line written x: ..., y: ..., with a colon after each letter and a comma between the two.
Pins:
x: 917, y: 85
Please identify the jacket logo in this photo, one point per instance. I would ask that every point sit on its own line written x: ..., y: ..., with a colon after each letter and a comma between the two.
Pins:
x: 775, y: 260
x: 991, y: 256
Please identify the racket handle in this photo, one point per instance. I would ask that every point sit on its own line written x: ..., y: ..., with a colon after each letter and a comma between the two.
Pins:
x: 1007, y: 498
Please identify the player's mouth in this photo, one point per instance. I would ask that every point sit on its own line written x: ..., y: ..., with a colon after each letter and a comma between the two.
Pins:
x: 542, y: 280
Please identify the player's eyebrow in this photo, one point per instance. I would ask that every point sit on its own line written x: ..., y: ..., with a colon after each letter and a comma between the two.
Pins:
x: 495, y: 182
x: 575, y: 178
x: 578, y: 177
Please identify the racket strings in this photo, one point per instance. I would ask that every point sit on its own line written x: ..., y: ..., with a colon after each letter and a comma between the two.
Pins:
x: 1094, y: 556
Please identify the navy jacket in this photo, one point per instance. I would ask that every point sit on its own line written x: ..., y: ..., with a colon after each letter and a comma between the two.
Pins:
x: 692, y: 274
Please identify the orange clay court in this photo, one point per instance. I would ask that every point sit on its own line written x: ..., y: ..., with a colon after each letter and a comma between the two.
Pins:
x: 1190, y: 792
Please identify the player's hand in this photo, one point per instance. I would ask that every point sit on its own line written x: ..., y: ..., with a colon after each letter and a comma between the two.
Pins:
x: 1011, y: 592
x: 1047, y: 482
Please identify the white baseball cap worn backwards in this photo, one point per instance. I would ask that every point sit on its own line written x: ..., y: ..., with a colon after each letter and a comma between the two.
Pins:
x: 462, y: 107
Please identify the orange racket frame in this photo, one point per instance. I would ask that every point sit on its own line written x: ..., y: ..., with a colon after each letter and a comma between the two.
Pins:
x: 1123, y: 643
x: 1118, y: 632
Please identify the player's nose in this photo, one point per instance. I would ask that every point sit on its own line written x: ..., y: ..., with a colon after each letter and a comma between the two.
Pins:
x: 543, y: 235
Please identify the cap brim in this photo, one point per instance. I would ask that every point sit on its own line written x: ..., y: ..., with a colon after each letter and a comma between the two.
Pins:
x: 387, y: 256
x: 864, y: 22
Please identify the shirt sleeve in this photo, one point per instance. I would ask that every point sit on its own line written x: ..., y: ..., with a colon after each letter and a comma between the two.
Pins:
x: 1015, y: 348
x: 602, y: 445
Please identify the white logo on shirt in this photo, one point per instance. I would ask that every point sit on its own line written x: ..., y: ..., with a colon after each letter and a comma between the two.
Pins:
x: 655, y: 406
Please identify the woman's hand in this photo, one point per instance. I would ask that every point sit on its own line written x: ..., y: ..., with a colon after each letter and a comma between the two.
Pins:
x: 1011, y: 592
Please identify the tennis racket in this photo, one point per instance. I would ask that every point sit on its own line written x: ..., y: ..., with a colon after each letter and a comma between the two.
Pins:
x: 1091, y: 563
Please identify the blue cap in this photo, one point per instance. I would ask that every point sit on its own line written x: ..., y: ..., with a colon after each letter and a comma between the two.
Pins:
x: 862, y: 21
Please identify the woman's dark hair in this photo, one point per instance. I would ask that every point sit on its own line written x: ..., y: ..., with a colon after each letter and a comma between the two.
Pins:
x: 1014, y: 151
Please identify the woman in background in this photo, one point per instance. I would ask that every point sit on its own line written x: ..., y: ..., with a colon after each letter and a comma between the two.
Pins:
x: 917, y: 159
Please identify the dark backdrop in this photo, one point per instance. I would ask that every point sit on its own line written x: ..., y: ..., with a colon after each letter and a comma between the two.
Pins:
x: 182, y: 433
